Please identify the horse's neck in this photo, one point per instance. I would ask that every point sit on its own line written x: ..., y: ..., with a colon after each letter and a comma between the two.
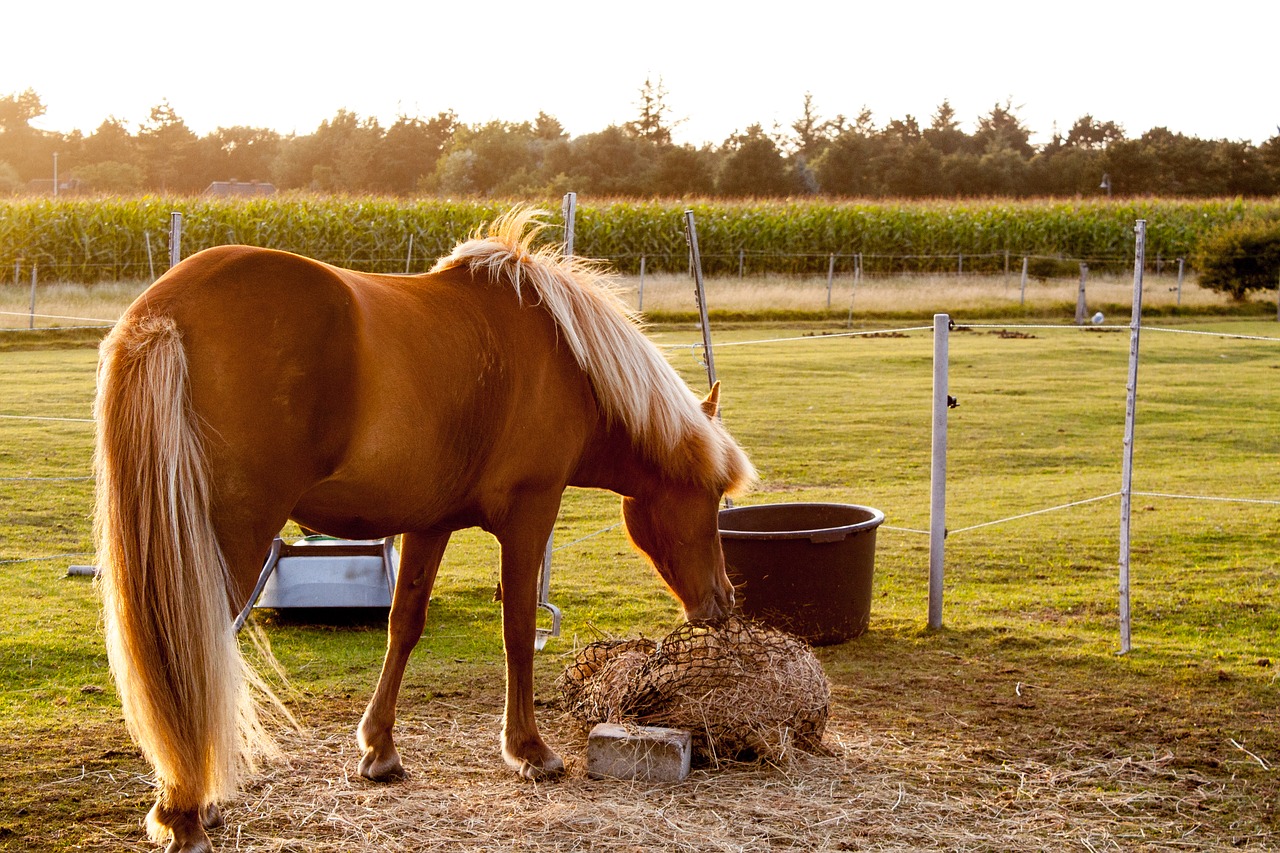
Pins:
x: 611, y: 461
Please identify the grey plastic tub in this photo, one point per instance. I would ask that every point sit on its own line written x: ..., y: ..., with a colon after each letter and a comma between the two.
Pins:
x: 805, y: 568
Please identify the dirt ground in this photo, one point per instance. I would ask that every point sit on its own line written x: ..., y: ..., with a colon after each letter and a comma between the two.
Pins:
x: 951, y: 751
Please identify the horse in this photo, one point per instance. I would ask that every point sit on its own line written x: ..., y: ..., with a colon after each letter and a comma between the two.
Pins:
x: 249, y: 386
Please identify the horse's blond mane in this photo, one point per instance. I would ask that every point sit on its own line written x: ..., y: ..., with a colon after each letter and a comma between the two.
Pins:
x: 634, y: 384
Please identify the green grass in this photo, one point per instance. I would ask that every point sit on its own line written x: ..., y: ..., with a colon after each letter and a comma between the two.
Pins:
x: 1031, y: 601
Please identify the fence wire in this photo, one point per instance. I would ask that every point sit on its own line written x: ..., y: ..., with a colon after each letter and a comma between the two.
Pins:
x: 1032, y: 513
x: 1205, y: 498
x: 1117, y: 327
x: 47, y: 559
x: 109, y: 323
x: 41, y: 479
x: 46, y: 418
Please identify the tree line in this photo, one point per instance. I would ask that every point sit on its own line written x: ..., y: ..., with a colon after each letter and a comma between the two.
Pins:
x: 837, y: 157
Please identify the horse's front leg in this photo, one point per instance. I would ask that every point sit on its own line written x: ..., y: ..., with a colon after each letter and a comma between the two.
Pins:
x: 419, y: 560
x: 524, y: 542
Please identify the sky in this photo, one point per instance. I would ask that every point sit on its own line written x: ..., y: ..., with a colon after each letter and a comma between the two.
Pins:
x: 1202, y: 69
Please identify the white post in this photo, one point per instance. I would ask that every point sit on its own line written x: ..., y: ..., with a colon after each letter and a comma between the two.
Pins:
x: 175, y: 238
x: 831, y: 274
x: 32, y: 323
x: 1131, y: 395
x: 570, y: 211
x: 151, y: 264
x: 408, y: 258
x: 938, y: 468
x: 700, y: 292
x: 1181, y: 264
x: 640, y: 300
x: 1080, y: 308
x: 742, y: 263
x: 853, y: 291
x: 1023, y: 299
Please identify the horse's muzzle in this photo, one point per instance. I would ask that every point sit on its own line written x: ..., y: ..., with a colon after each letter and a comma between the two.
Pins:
x: 717, y: 605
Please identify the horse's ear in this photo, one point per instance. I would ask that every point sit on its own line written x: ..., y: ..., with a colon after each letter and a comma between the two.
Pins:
x: 711, y: 404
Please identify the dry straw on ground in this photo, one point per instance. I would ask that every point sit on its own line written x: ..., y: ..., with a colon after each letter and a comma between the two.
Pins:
x: 876, y: 791
x: 917, y: 760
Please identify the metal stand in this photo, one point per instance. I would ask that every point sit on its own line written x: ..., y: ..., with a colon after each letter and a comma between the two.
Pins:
x: 541, y: 635
x: 334, y: 556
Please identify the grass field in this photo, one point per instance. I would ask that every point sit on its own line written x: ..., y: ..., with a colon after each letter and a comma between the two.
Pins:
x: 1016, y: 726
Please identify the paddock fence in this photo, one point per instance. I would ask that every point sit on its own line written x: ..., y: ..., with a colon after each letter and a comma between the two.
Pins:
x: 937, y: 532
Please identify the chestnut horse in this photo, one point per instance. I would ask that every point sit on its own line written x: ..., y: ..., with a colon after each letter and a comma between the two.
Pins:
x: 247, y: 387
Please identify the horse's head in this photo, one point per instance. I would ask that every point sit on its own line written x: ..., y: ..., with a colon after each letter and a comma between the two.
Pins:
x: 675, y: 523
x: 678, y: 530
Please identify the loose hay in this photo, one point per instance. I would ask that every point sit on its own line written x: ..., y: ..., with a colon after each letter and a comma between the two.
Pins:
x: 919, y: 761
x: 876, y: 791
x: 743, y: 689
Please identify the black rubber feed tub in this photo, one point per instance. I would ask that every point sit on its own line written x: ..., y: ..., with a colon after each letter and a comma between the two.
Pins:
x: 804, y: 568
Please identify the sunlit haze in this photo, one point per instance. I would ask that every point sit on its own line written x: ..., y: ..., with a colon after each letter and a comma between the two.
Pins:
x: 1201, y: 70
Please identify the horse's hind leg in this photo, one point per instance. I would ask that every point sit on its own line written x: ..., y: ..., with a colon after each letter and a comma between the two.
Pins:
x: 419, y: 560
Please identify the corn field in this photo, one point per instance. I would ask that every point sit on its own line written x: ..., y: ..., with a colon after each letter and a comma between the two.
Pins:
x: 90, y: 240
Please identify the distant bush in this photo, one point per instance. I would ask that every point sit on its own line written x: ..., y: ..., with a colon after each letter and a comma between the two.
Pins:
x: 1241, y: 257
x: 110, y: 176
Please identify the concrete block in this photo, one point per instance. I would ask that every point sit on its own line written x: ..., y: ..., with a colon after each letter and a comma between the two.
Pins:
x: 639, y: 753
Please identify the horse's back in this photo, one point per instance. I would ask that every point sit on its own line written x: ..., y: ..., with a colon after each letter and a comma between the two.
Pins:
x: 388, y: 401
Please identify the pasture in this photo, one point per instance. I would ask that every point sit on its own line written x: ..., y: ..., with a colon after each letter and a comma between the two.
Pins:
x: 1015, y: 726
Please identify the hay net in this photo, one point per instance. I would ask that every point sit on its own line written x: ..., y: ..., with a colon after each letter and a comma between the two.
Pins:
x: 743, y: 689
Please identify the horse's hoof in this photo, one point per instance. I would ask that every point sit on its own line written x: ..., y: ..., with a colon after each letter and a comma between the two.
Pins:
x: 376, y: 769
x: 550, y: 767
x: 186, y: 829
x: 552, y: 770
x: 196, y: 845
x: 211, y: 816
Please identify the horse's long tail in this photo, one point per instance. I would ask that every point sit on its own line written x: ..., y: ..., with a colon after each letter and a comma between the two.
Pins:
x: 164, y: 579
